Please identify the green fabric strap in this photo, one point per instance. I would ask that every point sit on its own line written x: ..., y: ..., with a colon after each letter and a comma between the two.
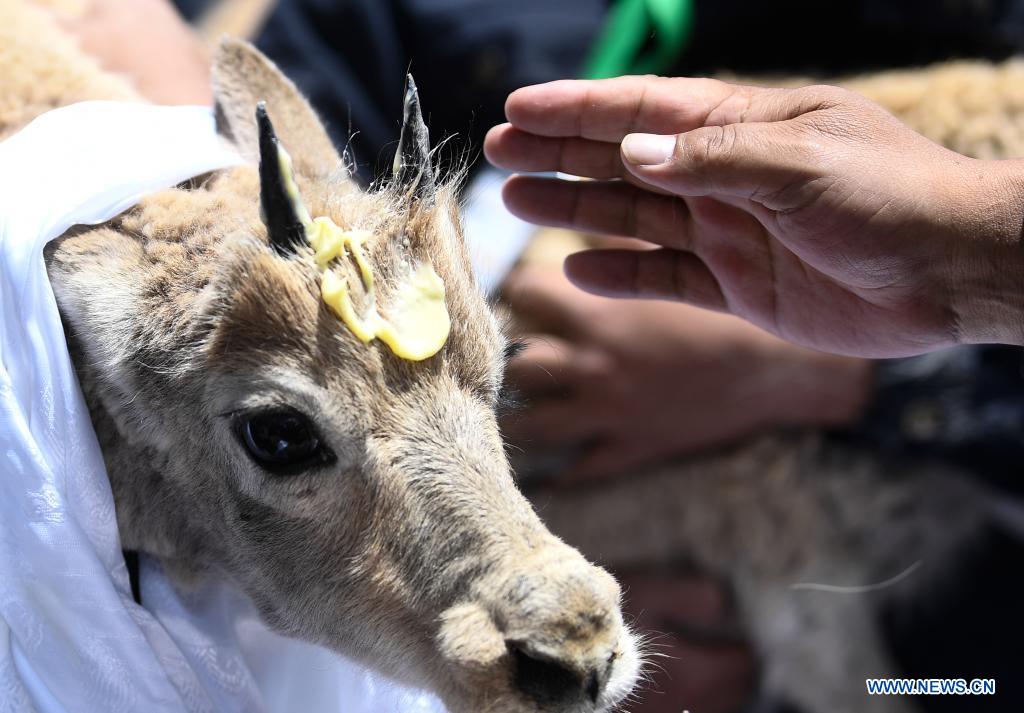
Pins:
x: 619, y: 48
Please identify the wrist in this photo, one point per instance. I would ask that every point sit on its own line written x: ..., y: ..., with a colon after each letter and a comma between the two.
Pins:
x: 988, y: 268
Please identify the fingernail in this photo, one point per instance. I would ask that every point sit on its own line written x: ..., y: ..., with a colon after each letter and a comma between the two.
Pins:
x: 648, y: 149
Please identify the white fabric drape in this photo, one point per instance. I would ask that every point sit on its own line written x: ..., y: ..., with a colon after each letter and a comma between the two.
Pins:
x: 71, y: 637
x: 494, y: 237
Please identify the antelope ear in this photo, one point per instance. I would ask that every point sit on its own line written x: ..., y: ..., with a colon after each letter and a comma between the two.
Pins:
x: 243, y: 77
x: 412, y: 168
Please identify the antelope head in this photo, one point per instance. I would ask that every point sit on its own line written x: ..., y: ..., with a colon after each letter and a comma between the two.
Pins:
x: 294, y: 382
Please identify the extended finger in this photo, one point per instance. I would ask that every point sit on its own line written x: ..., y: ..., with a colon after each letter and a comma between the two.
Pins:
x: 514, y: 150
x: 596, y: 207
x: 544, y: 301
x: 609, y: 109
x: 602, y: 461
x: 564, y: 422
x: 545, y: 368
x: 655, y: 274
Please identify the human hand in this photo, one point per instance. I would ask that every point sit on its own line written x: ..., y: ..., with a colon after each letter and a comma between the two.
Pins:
x: 628, y: 383
x: 145, y: 40
x: 810, y: 212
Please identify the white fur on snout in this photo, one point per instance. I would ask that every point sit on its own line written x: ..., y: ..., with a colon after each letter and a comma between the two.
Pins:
x: 475, y: 649
x: 625, y: 672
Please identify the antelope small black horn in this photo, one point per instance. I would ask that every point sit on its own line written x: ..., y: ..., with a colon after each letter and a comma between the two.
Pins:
x: 412, y: 167
x: 277, y: 205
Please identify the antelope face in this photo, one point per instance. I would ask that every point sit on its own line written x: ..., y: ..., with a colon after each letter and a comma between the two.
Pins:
x: 366, y: 504
x: 362, y: 499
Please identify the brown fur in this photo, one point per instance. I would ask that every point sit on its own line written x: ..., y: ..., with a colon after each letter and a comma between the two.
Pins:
x: 412, y: 552
x: 773, y: 515
x: 43, y: 69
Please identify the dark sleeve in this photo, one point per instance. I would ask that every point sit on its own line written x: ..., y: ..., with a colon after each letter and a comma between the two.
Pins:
x: 964, y: 406
x: 350, y: 56
x: 814, y: 38
x: 350, y: 59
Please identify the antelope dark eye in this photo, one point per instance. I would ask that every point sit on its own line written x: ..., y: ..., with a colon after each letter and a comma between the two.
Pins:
x: 283, y: 441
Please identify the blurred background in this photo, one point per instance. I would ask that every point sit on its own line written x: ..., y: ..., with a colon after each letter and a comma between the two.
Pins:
x: 623, y: 406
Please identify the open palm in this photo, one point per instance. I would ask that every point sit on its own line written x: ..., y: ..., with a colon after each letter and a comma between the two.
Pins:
x: 811, y: 213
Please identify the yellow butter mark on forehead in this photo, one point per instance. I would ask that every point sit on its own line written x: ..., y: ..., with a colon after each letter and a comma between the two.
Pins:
x: 329, y: 242
x: 417, y: 324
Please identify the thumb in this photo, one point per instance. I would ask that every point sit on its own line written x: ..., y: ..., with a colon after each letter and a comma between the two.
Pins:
x: 766, y: 162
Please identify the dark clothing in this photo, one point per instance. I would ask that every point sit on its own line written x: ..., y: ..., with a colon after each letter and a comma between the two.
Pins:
x: 964, y: 406
x: 971, y: 628
x: 350, y: 59
x: 816, y: 38
x: 350, y: 56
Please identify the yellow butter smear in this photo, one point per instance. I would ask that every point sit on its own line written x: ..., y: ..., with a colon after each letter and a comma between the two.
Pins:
x: 418, y: 322
x: 418, y: 325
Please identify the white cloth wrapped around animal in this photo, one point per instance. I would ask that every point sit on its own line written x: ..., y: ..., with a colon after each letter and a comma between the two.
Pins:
x: 71, y: 636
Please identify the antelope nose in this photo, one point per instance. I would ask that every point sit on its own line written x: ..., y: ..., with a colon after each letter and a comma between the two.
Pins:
x: 561, y: 624
x: 552, y: 683
x: 549, y: 634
